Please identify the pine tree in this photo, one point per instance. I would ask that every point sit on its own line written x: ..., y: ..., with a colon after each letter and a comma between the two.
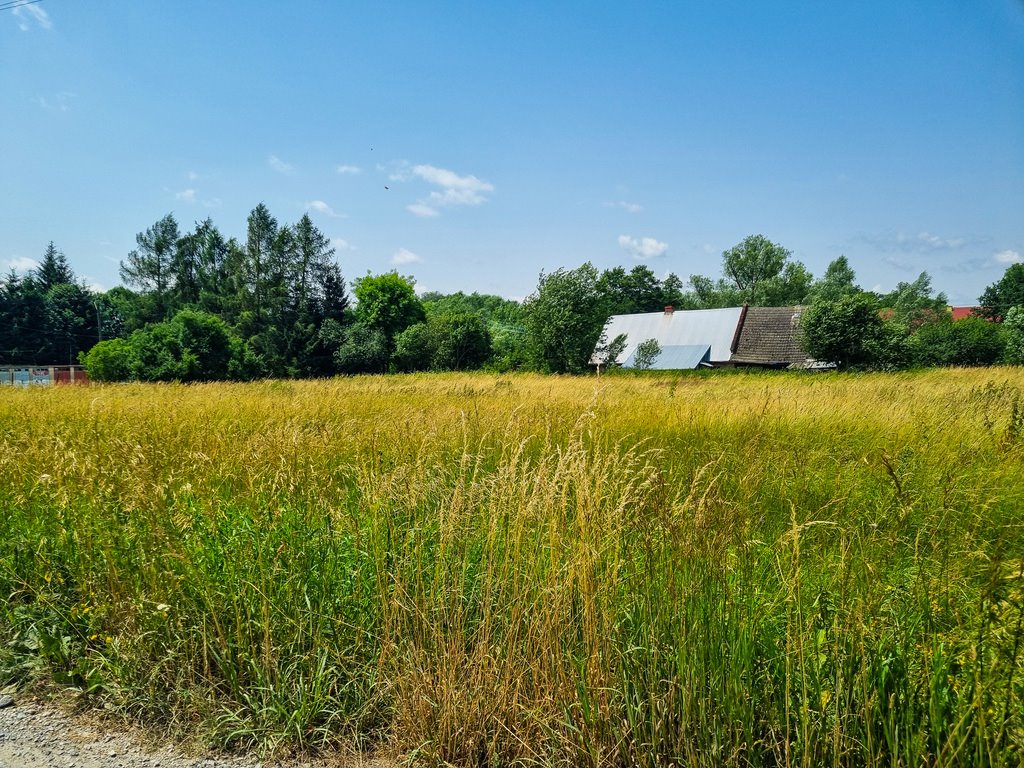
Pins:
x: 54, y: 269
x: 150, y: 267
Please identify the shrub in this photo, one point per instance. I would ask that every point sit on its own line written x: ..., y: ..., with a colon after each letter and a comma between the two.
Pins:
x: 847, y: 332
x: 111, y: 360
x: 968, y: 342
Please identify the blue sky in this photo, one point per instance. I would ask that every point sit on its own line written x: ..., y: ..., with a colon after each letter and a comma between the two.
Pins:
x: 474, y: 144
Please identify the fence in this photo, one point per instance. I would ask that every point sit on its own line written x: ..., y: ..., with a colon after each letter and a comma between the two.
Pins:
x: 41, y: 375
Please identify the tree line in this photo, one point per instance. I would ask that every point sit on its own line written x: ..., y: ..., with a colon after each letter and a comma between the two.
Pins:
x: 197, y: 306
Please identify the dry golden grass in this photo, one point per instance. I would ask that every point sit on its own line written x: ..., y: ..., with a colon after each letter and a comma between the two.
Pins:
x: 730, y: 569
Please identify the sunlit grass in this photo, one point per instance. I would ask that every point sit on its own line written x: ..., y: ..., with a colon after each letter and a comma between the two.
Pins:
x: 653, y: 570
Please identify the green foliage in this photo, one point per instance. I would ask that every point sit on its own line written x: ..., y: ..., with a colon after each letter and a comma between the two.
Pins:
x: 53, y: 270
x: 756, y: 272
x: 1013, y: 327
x: 509, y: 347
x: 487, y: 307
x: 388, y: 304
x: 462, y: 341
x: 753, y: 262
x: 70, y: 321
x: 638, y: 290
x: 208, y: 340
x: 839, y: 280
x: 646, y: 354
x: 46, y: 317
x: 158, y: 355
x: 23, y: 338
x: 608, y: 352
x: 968, y: 342
x: 192, y: 346
x: 111, y: 360
x: 150, y: 266
x: 912, y: 304
x: 128, y: 307
x: 564, y: 318
x: 449, y: 341
x: 848, y: 332
x: 415, y: 348
x: 1005, y: 293
x: 360, y: 349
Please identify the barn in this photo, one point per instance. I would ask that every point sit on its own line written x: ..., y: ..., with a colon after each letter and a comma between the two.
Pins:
x: 732, y: 336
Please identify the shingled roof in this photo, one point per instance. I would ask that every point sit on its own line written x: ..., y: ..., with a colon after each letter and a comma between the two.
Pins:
x: 769, y: 336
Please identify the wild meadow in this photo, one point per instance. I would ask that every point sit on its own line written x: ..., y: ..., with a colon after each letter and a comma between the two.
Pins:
x: 706, y: 570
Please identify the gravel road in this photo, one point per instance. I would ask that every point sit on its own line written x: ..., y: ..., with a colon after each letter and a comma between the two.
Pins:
x: 35, y: 734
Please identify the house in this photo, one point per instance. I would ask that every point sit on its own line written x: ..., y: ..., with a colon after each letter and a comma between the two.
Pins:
x: 688, y: 338
x: 733, y: 336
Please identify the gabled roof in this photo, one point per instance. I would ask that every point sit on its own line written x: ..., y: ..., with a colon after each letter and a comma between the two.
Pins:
x: 770, y: 336
x: 713, y: 328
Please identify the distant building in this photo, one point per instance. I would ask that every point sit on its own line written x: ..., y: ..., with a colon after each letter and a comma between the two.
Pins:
x: 41, y: 375
x: 688, y: 339
x: 734, y: 336
x: 962, y: 313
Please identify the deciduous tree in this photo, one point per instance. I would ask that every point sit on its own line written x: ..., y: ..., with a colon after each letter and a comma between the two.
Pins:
x: 1003, y: 294
x: 564, y: 318
x: 387, y: 303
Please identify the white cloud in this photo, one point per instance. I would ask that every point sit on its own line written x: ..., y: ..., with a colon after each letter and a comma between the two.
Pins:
x: 422, y: 210
x: 898, y: 261
x: 22, y: 264
x: 397, y: 170
x: 923, y: 243
x: 93, y: 284
x: 26, y: 13
x: 455, y: 189
x: 1007, y: 257
x: 341, y: 245
x: 966, y: 266
x: 349, y: 169
x: 192, y: 176
x: 213, y: 202
x: 404, y: 256
x: 279, y: 165
x: 643, y: 248
x: 626, y: 206
x: 930, y: 242
x: 59, y: 102
x: 452, y: 189
x: 321, y: 207
x: 186, y: 195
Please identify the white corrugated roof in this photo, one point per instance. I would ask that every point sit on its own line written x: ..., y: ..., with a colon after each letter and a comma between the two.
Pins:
x: 714, y: 327
x: 675, y: 358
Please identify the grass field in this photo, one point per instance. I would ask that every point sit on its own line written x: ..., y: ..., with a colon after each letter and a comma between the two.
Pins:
x: 743, y: 569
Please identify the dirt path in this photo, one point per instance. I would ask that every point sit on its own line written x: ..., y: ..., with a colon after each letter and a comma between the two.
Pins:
x: 35, y: 734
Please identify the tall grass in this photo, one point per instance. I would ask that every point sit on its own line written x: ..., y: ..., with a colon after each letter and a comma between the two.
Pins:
x: 744, y: 570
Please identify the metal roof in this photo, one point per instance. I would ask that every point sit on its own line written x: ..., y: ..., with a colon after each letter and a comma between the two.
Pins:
x: 676, y: 357
x: 714, y: 328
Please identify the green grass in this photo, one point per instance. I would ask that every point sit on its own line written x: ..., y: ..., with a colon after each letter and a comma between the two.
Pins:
x: 748, y: 570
